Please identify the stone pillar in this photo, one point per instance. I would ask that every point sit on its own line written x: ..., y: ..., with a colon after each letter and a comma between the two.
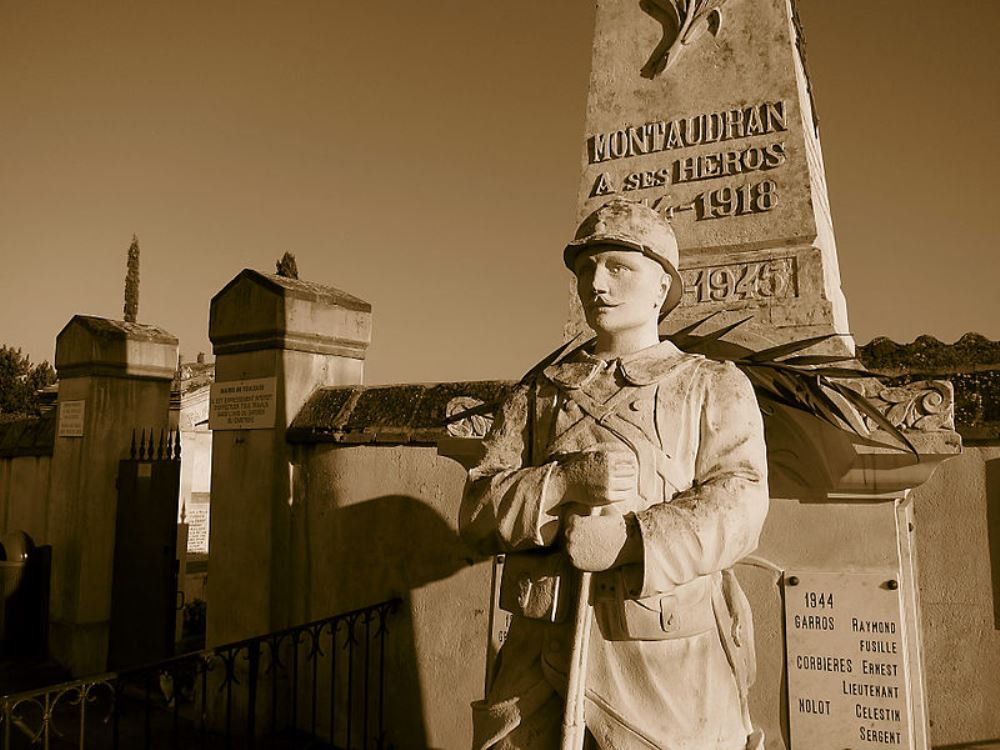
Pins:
x: 715, y: 128
x: 113, y: 376
x: 293, y: 337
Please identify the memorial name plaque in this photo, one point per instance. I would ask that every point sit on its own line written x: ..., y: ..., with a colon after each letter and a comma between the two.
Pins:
x: 71, y: 415
x: 243, y: 405
x: 198, y: 520
x: 847, y: 669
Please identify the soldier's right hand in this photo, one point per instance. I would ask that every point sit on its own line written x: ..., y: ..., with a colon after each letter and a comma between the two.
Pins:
x: 599, y: 477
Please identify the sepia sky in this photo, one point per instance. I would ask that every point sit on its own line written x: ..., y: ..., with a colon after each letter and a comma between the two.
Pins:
x: 425, y: 157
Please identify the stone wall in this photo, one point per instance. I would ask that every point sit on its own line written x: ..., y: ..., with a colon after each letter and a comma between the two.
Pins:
x: 25, y: 468
x: 374, y: 522
x: 957, y: 520
x: 375, y: 516
x: 60, y: 486
x: 957, y: 523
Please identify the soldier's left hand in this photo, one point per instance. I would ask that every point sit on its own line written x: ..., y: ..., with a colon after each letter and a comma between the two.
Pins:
x: 595, y: 543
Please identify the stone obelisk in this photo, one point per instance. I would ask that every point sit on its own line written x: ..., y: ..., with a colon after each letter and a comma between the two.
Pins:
x: 702, y: 109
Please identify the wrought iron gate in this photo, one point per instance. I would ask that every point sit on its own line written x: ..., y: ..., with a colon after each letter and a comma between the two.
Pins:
x: 144, y: 583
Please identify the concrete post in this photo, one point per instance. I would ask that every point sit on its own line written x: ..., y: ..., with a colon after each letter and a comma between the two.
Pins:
x: 113, y: 376
x: 294, y: 336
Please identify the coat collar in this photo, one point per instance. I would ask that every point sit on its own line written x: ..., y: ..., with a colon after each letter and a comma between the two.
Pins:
x: 644, y: 367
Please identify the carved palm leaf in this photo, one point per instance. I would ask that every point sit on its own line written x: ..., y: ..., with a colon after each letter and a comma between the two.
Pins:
x: 804, y: 382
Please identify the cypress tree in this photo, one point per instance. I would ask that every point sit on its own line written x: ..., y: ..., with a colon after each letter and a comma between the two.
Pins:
x: 132, y: 282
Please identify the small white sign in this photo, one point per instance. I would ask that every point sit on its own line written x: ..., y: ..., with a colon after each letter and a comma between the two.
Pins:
x: 848, y: 672
x: 243, y: 405
x: 198, y: 520
x: 71, y: 414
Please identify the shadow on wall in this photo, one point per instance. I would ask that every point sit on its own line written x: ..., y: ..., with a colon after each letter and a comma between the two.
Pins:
x: 398, y: 543
x: 993, y: 531
x: 392, y: 546
x: 769, y: 693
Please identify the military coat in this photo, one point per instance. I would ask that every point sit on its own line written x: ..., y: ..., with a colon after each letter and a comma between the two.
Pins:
x: 671, y: 649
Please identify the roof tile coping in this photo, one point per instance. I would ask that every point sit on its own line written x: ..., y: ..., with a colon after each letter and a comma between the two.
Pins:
x: 30, y: 436
x: 413, y: 413
x: 927, y: 355
x: 307, y: 290
x: 107, y: 328
x: 397, y: 414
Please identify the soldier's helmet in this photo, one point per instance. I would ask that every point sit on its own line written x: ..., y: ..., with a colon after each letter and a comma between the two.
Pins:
x: 631, y: 225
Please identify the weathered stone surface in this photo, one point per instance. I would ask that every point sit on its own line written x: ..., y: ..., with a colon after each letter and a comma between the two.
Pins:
x: 976, y: 401
x: 89, y: 345
x: 301, y: 336
x: 722, y: 138
x: 957, y: 536
x: 921, y: 405
x: 971, y: 365
x: 388, y: 414
x: 258, y: 311
x: 120, y: 373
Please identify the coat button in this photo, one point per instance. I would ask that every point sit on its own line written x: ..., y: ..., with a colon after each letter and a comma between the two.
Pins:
x: 635, y: 405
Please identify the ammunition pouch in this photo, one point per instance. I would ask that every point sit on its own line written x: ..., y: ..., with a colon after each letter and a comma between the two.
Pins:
x: 684, y: 612
x: 537, y: 585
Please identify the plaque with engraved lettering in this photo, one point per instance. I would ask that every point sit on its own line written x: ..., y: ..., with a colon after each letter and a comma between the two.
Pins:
x: 243, y: 405
x: 847, y: 667
x: 71, y: 418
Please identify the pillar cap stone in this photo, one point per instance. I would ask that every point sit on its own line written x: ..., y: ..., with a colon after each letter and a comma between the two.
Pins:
x: 93, y: 346
x: 257, y: 311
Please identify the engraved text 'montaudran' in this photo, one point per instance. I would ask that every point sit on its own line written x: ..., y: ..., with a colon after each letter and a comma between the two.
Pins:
x: 664, y: 135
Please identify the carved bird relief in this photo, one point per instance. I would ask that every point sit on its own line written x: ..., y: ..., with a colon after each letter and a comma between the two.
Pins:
x: 683, y: 22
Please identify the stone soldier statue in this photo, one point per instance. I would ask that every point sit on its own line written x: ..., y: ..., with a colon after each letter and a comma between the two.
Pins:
x: 646, y: 466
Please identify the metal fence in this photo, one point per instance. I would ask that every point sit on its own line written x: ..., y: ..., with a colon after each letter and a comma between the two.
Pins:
x: 318, y: 685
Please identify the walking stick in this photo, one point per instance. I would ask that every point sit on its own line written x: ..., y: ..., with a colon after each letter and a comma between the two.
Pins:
x: 574, y: 727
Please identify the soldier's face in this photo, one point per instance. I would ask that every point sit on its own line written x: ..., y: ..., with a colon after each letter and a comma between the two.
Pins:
x: 619, y: 289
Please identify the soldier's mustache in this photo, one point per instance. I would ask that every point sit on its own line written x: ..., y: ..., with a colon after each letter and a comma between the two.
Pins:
x: 601, y: 300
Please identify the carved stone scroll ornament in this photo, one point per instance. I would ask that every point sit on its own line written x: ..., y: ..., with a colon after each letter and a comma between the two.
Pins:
x: 683, y: 22
x: 475, y: 426
x: 924, y: 405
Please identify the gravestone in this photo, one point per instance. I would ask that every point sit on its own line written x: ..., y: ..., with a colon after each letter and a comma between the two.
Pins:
x: 702, y: 110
